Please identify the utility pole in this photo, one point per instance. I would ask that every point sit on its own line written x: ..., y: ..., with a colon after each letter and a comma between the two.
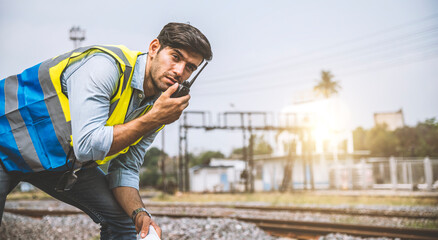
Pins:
x: 186, y: 163
x: 305, y: 158
x: 311, y: 156
x: 244, y: 153
x: 251, y: 156
x: 182, y: 139
x: 163, y: 162
x: 77, y: 35
x: 287, y: 183
x: 183, y: 157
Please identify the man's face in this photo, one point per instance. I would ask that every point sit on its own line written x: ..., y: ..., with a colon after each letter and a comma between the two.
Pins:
x: 173, y: 65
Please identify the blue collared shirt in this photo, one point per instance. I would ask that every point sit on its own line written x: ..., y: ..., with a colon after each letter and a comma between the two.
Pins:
x: 89, y: 84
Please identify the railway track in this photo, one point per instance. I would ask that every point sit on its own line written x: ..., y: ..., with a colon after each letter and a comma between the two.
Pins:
x: 327, y: 210
x: 287, y: 228
x: 309, y: 230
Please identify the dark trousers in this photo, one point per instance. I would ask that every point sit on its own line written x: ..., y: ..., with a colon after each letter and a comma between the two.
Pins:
x: 90, y: 194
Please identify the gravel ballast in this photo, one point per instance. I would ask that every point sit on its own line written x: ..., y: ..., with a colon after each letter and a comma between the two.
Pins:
x: 81, y: 226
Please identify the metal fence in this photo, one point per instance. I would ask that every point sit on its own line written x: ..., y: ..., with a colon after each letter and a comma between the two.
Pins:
x: 386, y: 173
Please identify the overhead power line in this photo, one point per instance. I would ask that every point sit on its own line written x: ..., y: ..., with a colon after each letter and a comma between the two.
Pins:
x: 256, y: 89
x: 380, y: 58
x: 286, y: 60
x: 373, y: 48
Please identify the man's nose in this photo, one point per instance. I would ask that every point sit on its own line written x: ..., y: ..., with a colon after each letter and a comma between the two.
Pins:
x: 178, y: 70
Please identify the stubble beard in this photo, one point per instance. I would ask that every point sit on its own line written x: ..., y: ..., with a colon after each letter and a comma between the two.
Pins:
x: 159, y: 80
x: 158, y: 85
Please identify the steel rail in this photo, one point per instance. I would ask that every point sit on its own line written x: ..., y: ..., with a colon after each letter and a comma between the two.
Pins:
x: 303, y: 228
x: 325, y: 210
x: 38, y: 213
x: 297, y: 229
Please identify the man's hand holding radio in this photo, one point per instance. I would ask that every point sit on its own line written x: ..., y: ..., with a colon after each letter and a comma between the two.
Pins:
x: 167, y: 110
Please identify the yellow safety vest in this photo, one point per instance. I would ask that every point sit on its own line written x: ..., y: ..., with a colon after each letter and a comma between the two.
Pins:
x: 35, y: 128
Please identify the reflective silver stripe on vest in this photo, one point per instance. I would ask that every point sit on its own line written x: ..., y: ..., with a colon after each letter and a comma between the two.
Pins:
x: 62, y: 128
x: 126, y: 75
x: 19, y: 128
x: 128, y: 67
x: 113, y: 107
x: 119, y: 53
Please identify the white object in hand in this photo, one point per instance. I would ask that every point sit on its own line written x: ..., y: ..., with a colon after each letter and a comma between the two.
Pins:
x: 152, y: 235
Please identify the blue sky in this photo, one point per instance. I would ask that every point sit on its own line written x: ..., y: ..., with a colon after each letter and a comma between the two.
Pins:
x: 383, y: 53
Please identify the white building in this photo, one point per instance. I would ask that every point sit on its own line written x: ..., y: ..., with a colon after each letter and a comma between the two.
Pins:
x: 393, y: 120
x: 272, y: 172
x: 327, y: 134
x: 222, y: 175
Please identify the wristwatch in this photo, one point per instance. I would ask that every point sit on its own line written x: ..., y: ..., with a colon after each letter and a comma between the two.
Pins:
x: 136, y: 211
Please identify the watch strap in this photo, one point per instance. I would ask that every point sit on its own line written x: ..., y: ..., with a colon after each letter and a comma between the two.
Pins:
x: 137, y: 211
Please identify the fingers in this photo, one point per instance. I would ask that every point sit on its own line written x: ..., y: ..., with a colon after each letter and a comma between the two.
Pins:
x: 166, y: 110
x: 166, y: 102
x: 171, y: 89
x: 144, y: 230
x: 185, y: 98
x: 157, y: 228
x: 183, y: 102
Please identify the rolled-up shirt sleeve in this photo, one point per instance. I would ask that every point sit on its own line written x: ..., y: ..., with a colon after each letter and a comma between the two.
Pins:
x: 123, y: 171
x: 90, y: 85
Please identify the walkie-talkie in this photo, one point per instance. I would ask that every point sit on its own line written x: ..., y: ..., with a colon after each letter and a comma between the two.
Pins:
x: 184, y: 88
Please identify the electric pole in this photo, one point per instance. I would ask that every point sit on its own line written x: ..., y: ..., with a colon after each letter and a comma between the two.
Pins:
x: 163, y: 162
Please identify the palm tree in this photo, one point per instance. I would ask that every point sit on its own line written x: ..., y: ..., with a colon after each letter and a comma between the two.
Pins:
x: 326, y: 86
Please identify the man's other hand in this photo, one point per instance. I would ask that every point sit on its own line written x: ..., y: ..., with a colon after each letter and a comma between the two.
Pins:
x: 142, y: 222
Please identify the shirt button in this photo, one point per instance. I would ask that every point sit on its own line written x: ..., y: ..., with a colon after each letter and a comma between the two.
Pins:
x: 140, y: 95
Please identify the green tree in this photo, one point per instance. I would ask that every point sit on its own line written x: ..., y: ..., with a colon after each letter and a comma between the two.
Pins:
x: 408, y: 141
x: 381, y: 142
x: 205, y: 157
x: 418, y: 141
x: 237, y: 151
x: 359, y: 139
x: 150, y: 173
x: 151, y: 158
x: 261, y: 146
x: 428, y: 138
x: 326, y: 86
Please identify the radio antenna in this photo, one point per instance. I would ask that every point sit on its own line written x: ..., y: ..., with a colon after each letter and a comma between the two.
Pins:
x: 194, y: 78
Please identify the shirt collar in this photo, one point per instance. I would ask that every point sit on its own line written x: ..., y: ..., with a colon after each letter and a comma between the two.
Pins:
x: 138, y: 75
x: 139, y: 70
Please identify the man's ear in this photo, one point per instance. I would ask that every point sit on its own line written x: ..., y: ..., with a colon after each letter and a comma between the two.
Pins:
x: 154, y: 47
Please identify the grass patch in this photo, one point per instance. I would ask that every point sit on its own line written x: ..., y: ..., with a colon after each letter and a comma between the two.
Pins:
x: 97, y: 237
x: 271, y: 198
x: 430, y: 224
x: 298, y: 198
x: 35, y: 195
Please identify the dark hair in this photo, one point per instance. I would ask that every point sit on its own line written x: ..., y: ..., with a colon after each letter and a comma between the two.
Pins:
x: 185, y: 36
